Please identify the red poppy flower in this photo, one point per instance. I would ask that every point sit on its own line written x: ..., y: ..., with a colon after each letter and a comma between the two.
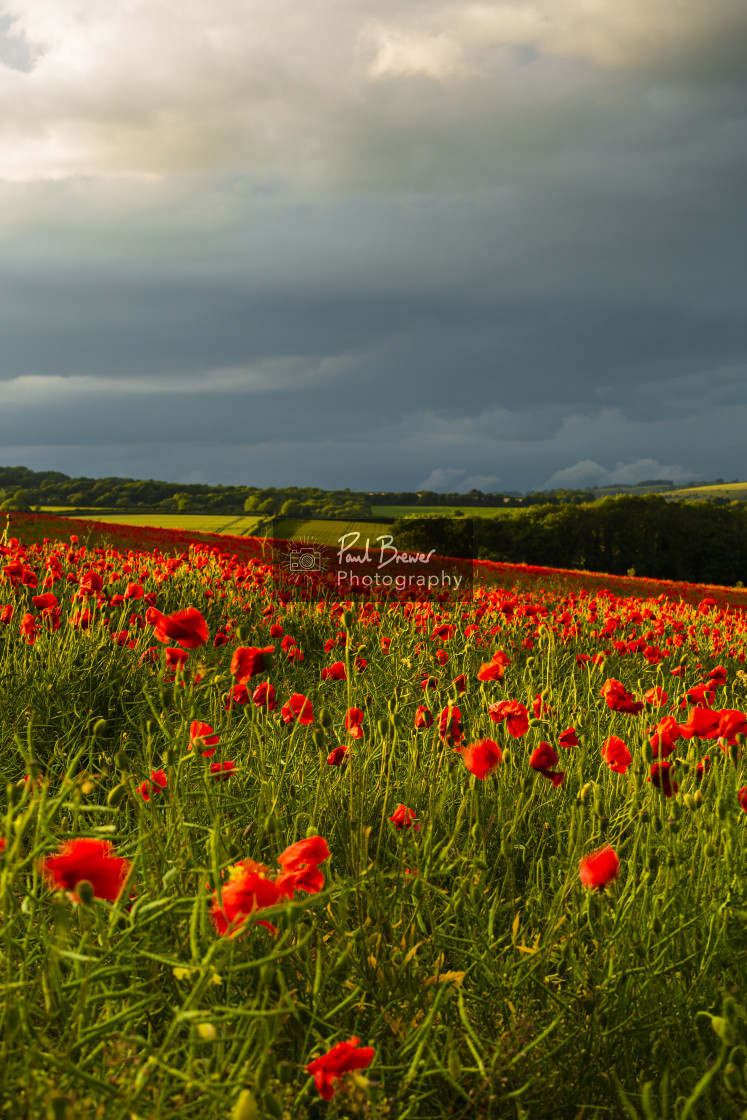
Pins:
x: 666, y: 733
x: 616, y: 754
x: 133, y: 591
x: 27, y: 628
x: 354, y: 723
x: 449, y: 724
x: 304, y: 853
x: 542, y: 759
x: 237, y: 696
x: 248, y: 891
x: 702, y: 768
x: 360, y: 664
x: 718, y: 674
x: 6, y: 614
x: 300, y: 865
x: 702, y: 693
x: 661, y: 778
x: 491, y: 671
x: 568, y: 738
x: 441, y: 656
x: 203, y: 735
x: 248, y: 661
x: 156, y: 781
x: 701, y: 723
x: 599, y: 868
x: 300, y: 708
x: 460, y: 684
x: 731, y: 723
x: 482, y: 757
x: 335, y: 672
x: 423, y: 717
x: 90, y: 582
x: 619, y: 699
x: 264, y: 697
x: 742, y: 798
x: 186, y: 627
x: 337, y: 756
x: 44, y: 602
x: 222, y: 770
x: 176, y: 658
x: 404, y: 818
x: 343, y: 1058
x: 93, y: 860
x: 444, y: 631
x: 656, y: 696
x: 515, y: 715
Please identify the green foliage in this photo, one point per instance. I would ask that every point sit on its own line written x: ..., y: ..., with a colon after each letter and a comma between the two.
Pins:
x: 690, y: 542
x: 488, y: 980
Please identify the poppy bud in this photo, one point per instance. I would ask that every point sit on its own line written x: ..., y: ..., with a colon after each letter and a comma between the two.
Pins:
x: 648, y: 753
x: 319, y: 740
x: 84, y: 891
x: 245, y: 1107
x: 698, y: 798
x: 454, y: 1065
x: 286, y: 1072
x: 207, y: 1031
x: 734, y: 753
x: 271, y: 823
x: 116, y: 796
x: 121, y: 761
x: 710, y: 850
x: 383, y: 726
x: 311, y: 831
x: 690, y: 802
x: 347, y: 619
x: 723, y: 1029
x: 244, y: 634
x: 586, y: 791
x: 325, y: 719
x: 170, y: 756
x: 733, y: 1079
x: 535, y: 722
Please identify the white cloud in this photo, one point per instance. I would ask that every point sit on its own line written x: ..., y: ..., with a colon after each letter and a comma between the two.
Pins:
x: 450, y: 480
x: 192, y: 87
x: 587, y: 472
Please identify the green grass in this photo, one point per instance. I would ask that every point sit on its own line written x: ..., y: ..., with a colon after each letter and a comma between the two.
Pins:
x: 327, y: 532
x: 468, y: 954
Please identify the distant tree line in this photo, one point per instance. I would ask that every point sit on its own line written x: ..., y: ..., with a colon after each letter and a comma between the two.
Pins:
x: 647, y: 536
x: 476, y: 498
x: 24, y: 489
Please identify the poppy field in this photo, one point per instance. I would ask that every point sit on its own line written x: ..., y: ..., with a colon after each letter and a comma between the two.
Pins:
x: 267, y: 856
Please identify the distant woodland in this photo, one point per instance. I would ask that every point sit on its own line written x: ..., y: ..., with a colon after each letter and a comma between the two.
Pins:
x: 24, y: 489
x: 636, y: 533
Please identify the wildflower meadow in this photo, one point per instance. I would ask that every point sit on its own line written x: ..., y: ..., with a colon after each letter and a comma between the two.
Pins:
x: 273, y: 856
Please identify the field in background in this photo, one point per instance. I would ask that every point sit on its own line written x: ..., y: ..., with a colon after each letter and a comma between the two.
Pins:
x: 238, y: 526
x: 440, y: 511
x: 735, y: 491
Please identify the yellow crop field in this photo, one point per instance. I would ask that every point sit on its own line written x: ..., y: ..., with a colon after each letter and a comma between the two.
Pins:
x: 189, y: 522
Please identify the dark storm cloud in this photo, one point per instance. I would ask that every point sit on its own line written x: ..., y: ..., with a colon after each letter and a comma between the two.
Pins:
x: 508, y: 248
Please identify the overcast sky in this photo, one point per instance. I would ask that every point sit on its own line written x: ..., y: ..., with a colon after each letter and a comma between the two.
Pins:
x: 374, y: 244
